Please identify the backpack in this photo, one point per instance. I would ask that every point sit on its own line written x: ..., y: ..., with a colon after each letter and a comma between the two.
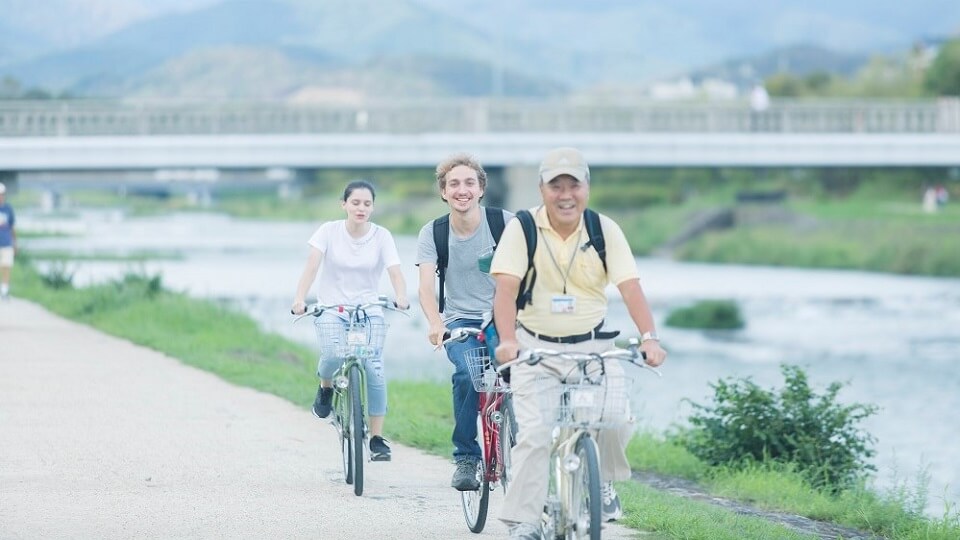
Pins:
x: 591, y: 221
x: 441, y: 239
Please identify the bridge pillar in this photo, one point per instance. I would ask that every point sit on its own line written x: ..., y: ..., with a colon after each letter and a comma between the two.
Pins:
x: 515, y: 187
x: 10, y: 180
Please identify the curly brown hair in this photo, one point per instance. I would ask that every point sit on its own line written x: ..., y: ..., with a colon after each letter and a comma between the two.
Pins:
x: 455, y: 161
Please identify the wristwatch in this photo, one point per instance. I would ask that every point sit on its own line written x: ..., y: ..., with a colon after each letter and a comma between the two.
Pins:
x: 647, y: 336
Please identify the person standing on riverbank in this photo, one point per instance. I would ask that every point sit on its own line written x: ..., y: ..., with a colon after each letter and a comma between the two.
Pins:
x: 354, y: 253
x: 471, y: 233
x: 8, y: 242
x: 566, y: 312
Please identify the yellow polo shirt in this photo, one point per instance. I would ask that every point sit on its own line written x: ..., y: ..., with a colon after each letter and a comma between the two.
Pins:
x: 586, y: 279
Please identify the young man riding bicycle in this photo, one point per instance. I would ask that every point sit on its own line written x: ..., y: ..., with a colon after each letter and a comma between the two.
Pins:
x: 466, y: 290
x: 566, y: 312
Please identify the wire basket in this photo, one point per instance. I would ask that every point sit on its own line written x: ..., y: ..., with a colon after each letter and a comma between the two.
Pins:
x: 587, y: 405
x: 363, y: 339
x: 482, y: 373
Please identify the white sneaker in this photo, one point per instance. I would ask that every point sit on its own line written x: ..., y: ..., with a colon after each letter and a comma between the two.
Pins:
x: 524, y: 531
x: 610, y: 508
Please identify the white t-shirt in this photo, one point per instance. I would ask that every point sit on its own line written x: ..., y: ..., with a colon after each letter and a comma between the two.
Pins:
x: 351, y: 268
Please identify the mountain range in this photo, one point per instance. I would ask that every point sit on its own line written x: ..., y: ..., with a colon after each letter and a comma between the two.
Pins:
x: 357, y: 49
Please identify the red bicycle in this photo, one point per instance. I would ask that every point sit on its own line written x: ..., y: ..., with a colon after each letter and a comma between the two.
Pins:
x: 496, y: 425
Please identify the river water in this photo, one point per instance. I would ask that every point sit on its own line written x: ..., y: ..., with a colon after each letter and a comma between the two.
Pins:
x: 893, y: 339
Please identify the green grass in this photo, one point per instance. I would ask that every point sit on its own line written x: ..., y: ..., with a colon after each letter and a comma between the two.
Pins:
x: 882, y: 247
x: 709, y: 314
x: 897, y: 514
x: 674, y: 517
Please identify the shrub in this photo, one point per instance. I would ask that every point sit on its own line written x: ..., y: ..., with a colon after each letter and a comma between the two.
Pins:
x: 747, y: 424
x: 713, y: 314
x: 58, y: 276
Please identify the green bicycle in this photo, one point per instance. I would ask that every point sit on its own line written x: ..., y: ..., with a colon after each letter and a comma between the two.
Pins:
x: 355, y: 337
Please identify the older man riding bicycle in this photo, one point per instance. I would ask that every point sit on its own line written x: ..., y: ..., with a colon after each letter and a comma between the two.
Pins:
x: 565, y: 312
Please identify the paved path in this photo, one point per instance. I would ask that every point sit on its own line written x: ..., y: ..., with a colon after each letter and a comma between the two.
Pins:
x: 100, y: 438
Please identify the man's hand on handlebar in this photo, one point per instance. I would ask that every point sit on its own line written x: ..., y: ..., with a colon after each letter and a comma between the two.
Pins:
x: 507, y: 350
x: 655, y: 355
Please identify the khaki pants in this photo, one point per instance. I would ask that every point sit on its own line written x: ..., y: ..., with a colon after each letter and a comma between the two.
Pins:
x: 530, y: 467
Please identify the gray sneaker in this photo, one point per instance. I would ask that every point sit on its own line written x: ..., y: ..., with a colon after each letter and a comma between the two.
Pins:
x: 525, y: 531
x: 465, y: 477
x: 610, y: 508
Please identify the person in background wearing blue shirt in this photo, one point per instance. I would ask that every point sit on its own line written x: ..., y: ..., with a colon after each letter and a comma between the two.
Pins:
x: 8, y: 242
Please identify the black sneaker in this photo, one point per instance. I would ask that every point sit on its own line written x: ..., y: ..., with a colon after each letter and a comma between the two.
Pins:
x: 322, y: 403
x: 379, y: 451
x: 465, y: 477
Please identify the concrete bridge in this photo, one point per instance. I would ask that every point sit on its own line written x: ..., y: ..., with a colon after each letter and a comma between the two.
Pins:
x: 64, y: 140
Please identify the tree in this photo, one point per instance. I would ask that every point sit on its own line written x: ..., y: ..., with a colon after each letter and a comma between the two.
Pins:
x: 943, y: 77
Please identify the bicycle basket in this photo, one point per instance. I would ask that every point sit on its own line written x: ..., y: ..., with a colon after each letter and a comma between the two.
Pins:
x: 587, y: 405
x: 482, y: 373
x: 363, y: 339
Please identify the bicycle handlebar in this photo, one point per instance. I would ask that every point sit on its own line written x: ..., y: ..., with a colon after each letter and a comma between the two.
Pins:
x: 631, y: 354
x: 457, y: 334
x: 317, y: 309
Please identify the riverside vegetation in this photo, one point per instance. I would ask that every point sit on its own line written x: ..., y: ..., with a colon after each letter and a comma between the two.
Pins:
x: 780, y: 465
x: 859, y: 219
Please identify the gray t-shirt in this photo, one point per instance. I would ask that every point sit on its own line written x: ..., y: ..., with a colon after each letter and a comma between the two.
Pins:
x: 468, y: 291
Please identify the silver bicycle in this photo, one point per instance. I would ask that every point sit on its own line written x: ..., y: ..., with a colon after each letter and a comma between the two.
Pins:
x: 578, y: 403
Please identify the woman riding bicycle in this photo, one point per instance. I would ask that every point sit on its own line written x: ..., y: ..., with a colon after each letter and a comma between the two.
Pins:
x: 353, y: 252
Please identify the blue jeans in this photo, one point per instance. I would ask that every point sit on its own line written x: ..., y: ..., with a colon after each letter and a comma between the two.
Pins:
x: 376, y: 382
x: 464, y: 396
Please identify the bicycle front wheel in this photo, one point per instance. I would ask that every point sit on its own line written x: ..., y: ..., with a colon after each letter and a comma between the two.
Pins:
x: 356, y: 428
x: 344, y: 428
x: 506, y: 438
x: 475, y: 503
x: 585, y: 501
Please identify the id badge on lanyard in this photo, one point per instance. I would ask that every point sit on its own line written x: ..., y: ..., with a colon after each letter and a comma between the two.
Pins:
x: 563, y: 303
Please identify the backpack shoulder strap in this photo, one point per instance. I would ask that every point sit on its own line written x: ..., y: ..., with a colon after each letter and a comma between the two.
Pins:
x: 591, y: 220
x: 441, y: 240
x: 496, y: 224
x: 525, y: 294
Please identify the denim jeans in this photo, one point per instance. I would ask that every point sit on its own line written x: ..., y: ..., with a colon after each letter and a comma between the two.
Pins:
x: 376, y: 382
x: 464, y: 396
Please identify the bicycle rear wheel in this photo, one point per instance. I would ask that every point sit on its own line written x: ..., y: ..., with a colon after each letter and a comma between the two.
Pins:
x: 585, y: 504
x: 356, y: 428
x: 476, y: 503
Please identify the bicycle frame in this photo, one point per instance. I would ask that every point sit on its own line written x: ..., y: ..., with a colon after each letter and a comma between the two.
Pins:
x: 492, y: 418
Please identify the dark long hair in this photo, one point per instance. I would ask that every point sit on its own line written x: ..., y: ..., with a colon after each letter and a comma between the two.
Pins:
x: 359, y: 184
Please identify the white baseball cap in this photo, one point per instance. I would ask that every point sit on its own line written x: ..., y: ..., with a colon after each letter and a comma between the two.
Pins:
x: 564, y: 160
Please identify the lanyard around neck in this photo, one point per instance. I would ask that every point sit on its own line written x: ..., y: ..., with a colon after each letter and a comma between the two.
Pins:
x: 573, y: 256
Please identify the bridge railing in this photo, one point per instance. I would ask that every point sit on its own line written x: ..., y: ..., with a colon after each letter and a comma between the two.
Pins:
x: 122, y: 118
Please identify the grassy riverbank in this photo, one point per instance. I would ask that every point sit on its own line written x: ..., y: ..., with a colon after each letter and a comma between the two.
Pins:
x: 218, y: 340
x: 843, y: 219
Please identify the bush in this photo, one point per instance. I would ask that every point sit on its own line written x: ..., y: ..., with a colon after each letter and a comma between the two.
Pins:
x: 747, y: 424
x: 58, y: 276
x: 712, y: 314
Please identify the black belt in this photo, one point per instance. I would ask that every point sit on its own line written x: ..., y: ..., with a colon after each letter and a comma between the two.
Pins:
x: 579, y: 338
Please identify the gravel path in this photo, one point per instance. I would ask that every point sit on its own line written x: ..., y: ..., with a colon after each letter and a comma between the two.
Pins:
x: 100, y: 438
